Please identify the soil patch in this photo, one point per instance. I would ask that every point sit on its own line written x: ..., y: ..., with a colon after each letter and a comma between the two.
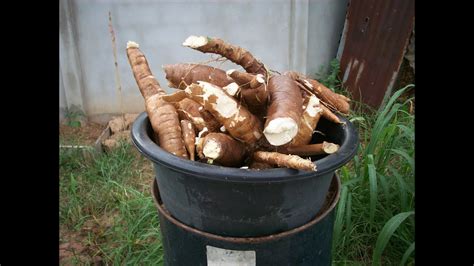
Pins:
x: 83, y: 135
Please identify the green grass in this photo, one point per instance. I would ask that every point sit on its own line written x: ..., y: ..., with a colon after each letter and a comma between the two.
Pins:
x: 107, y: 202
x: 374, y: 222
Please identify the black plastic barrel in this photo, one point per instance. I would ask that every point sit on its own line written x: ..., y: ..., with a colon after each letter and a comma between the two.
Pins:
x: 309, y: 244
x: 244, y: 202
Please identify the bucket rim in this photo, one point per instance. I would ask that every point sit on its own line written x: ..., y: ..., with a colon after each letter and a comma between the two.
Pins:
x: 156, y: 154
x: 323, y: 213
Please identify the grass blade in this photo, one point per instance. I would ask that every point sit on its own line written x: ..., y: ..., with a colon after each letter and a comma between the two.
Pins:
x: 409, y: 132
x: 383, y: 107
x: 407, y: 254
x: 384, y: 184
x: 386, y: 112
x: 386, y: 233
x: 372, y: 186
x: 405, y: 155
x: 377, y: 132
x: 341, y: 207
x: 402, y: 188
x: 349, y: 212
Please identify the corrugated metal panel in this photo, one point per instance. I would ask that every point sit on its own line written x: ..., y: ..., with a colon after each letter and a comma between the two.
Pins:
x: 376, y: 35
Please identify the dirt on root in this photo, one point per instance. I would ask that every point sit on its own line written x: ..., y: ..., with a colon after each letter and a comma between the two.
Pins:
x: 83, y: 135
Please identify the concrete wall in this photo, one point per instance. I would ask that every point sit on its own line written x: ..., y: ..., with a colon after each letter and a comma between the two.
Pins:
x: 300, y: 35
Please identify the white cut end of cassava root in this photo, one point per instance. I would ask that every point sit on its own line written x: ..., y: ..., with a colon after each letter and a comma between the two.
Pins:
x: 232, y: 88
x: 329, y: 147
x: 280, y: 131
x: 195, y: 41
x: 132, y: 44
x: 222, y: 128
x: 313, y: 106
x: 211, y: 149
x: 224, y: 105
x: 260, y: 78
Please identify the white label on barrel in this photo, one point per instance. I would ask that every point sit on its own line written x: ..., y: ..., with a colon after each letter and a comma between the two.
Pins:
x: 228, y: 257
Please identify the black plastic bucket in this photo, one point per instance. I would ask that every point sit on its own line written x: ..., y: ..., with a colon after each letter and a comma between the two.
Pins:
x: 309, y: 244
x: 243, y: 202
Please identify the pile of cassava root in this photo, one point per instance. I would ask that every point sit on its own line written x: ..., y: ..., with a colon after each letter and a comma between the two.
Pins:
x: 255, y: 119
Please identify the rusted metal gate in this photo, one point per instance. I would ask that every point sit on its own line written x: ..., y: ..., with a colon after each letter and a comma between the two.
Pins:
x: 373, y: 44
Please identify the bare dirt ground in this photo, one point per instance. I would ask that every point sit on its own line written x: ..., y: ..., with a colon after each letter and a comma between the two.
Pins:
x: 84, y: 135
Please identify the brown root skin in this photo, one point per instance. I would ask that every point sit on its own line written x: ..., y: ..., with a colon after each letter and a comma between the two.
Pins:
x: 197, y: 115
x: 284, y: 160
x: 253, y: 90
x: 256, y: 100
x: 308, y: 122
x: 165, y: 123
x: 332, y: 99
x: 327, y: 114
x: 222, y: 149
x: 146, y: 82
x: 174, y: 97
x: 284, y: 112
x: 311, y: 149
x: 189, y: 136
x: 237, y: 120
x: 234, y: 53
x: 335, y: 101
x: 163, y: 116
x: 344, y: 97
x: 241, y: 78
x: 181, y: 75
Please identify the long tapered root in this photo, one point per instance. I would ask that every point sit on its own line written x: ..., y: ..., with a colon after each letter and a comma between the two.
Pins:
x: 165, y: 123
x: 335, y: 101
x: 329, y: 115
x: 162, y: 115
x: 234, y: 53
x: 332, y: 99
x: 284, y: 160
x: 311, y: 149
x: 182, y: 75
x: 146, y: 82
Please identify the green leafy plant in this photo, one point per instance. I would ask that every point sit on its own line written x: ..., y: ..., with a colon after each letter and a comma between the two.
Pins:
x: 329, y: 77
x: 73, y: 118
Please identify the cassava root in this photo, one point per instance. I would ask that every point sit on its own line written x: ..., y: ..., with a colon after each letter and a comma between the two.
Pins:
x: 163, y: 116
x: 233, y: 118
x: 284, y: 160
